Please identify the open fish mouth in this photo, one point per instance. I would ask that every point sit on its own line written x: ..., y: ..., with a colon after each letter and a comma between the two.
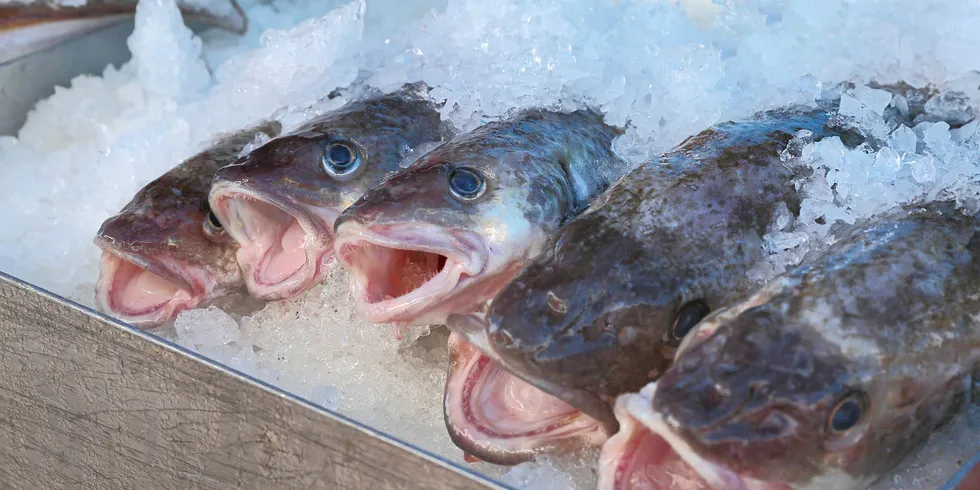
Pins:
x: 283, y: 248
x: 647, y: 454
x: 410, y: 273
x: 501, y: 419
x: 147, y: 293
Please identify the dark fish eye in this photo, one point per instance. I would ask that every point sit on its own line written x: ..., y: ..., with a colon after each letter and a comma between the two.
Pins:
x: 691, y: 313
x: 466, y: 184
x: 340, y: 159
x: 846, y: 414
x: 212, y: 227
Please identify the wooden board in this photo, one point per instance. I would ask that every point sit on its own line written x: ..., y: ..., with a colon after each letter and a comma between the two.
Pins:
x: 87, y: 402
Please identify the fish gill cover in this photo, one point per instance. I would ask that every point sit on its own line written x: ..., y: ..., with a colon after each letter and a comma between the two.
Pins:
x: 646, y: 65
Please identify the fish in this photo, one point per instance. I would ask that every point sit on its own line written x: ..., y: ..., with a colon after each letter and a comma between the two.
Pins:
x: 603, y: 311
x: 33, y: 25
x: 445, y: 234
x: 280, y: 201
x: 165, y: 252
x: 828, y: 376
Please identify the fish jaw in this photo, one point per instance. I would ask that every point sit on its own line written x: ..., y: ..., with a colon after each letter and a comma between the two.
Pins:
x: 500, y: 419
x: 647, y: 454
x: 413, y: 273
x: 284, y: 248
x: 147, y: 293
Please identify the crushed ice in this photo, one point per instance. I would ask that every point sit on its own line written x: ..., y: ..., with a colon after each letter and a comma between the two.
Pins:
x: 661, y: 70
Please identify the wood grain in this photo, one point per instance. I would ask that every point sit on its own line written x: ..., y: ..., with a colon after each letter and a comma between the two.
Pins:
x: 89, y: 403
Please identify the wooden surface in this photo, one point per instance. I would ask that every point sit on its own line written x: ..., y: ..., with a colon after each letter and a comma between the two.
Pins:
x: 88, y: 403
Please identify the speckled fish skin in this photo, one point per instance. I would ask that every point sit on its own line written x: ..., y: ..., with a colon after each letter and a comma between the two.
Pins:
x: 287, y: 172
x: 162, y: 230
x: 592, y: 318
x: 887, y: 317
x: 229, y: 16
x: 541, y: 167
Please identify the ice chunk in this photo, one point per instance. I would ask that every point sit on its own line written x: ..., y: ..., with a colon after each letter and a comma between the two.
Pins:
x: 887, y: 164
x: 166, y: 54
x: 903, y: 139
x: 936, y: 137
x: 950, y: 107
x: 209, y: 327
x: 923, y: 167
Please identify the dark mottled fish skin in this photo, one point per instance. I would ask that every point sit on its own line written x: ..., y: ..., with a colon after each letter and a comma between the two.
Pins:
x: 288, y: 173
x: 419, y: 252
x: 592, y: 318
x: 540, y: 168
x: 886, y: 317
x: 162, y: 230
x: 38, y: 11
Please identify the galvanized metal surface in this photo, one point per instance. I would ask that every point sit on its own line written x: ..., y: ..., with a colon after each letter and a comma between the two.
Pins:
x: 89, y: 403
x: 27, y: 79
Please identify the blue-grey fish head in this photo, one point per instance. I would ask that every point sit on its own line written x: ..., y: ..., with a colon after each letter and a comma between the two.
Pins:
x: 447, y: 233
x: 281, y: 200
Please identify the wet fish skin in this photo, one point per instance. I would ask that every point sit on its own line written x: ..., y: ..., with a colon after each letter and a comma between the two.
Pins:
x: 591, y: 319
x: 29, y: 12
x: 886, y: 316
x: 540, y: 167
x: 288, y: 172
x: 162, y: 230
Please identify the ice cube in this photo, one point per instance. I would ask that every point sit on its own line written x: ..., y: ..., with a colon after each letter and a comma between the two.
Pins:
x: 903, y: 139
x: 887, y: 164
x: 209, y: 327
x: 923, y: 167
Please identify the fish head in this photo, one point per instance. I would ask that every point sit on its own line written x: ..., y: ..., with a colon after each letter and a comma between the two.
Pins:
x: 280, y: 201
x: 448, y: 232
x: 584, y: 326
x: 162, y: 254
x: 758, y: 398
x: 767, y: 397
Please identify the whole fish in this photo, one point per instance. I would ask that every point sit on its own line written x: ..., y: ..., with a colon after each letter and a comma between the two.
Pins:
x: 832, y: 373
x: 280, y: 201
x: 603, y: 311
x: 444, y: 235
x: 165, y: 252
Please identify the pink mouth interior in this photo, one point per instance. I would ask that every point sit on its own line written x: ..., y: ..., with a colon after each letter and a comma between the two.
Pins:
x: 133, y: 292
x: 273, y: 243
x: 647, y: 462
x: 503, y: 416
x: 391, y: 273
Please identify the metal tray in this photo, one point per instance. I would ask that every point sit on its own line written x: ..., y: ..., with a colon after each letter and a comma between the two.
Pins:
x: 88, y: 402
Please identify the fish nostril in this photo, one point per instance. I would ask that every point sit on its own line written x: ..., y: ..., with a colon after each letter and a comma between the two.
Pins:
x: 710, y: 398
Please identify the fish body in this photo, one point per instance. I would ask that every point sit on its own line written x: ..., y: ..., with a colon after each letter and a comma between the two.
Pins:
x: 164, y: 252
x: 832, y: 373
x: 604, y: 310
x: 444, y: 235
x: 281, y: 200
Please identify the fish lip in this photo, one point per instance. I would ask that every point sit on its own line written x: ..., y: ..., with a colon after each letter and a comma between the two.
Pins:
x: 474, y: 327
x: 466, y: 257
x: 636, y: 409
x: 316, y: 223
x: 195, y: 288
x: 494, y: 444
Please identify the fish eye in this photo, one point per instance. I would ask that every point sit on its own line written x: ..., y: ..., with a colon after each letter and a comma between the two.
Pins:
x: 340, y: 160
x: 212, y: 227
x: 466, y: 184
x: 846, y: 414
x: 691, y: 313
